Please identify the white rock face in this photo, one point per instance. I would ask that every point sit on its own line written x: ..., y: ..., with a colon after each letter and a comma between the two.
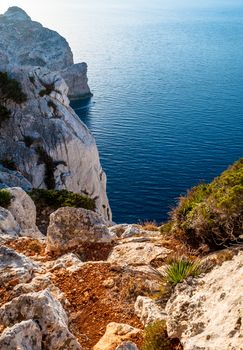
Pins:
x: 148, y: 311
x: 48, y: 143
x: 115, y: 334
x: 137, y: 253
x: 14, y: 266
x: 69, y: 262
x: 76, y: 79
x: 207, y: 314
x: 25, y: 335
x: 24, y: 42
x: 49, y: 314
x: 8, y: 225
x: 71, y: 226
x: 24, y: 212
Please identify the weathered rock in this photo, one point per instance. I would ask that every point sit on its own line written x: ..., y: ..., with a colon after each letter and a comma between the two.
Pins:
x: 127, y: 345
x: 16, y: 267
x: 11, y: 178
x: 76, y: 78
x: 24, y: 212
x: 115, y: 334
x: 137, y: 253
x: 25, y: 335
x: 49, y: 315
x: 24, y: 42
x: 8, y: 225
x: 124, y: 230
x: 69, y: 262
x: 207, y: 314
x: 148, y: 311
x: 71, y: 226
x: 48, y: 143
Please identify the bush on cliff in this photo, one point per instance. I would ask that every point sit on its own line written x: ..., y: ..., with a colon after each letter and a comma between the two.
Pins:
x: 156, y: 338
x: 211, y: 214
x: 57, y: 199
x: 5, y: 198
x: 10, y: 89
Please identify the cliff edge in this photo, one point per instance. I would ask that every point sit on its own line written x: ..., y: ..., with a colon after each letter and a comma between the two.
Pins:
x: 24, y: 42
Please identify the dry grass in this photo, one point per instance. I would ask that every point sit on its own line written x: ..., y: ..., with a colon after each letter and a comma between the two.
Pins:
x: 149, y: 226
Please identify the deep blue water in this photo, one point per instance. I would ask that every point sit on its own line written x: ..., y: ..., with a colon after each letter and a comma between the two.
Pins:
x: 167, y: 109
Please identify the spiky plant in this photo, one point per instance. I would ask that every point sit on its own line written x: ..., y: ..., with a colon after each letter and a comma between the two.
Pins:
x: 180, y: 269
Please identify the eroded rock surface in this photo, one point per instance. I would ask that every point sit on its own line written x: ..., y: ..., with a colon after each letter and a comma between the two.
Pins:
x: 25, y: 335
x: 23, y: 210
x: 47, y: 312
x: 8, y: 224
x: 148, y: 311
x: 14, y: 266
x: 137, y: 252
x: 71, y: 226
x: 207, y: 314
x: 47, y: 142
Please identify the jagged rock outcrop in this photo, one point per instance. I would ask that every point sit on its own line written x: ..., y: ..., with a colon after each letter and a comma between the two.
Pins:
x: 8, y: 225
x: 16, y: 267
x: 207, y: 313
x: 25, y: 335
x: 71, y: 226
x: 24, y: 212
x: 137, y: 251
x: 12, y: 178
x: 47, y: 143
x: 24, y: 42
x: 19, y: 219
x: 47, y: 312
x: 148, y: 311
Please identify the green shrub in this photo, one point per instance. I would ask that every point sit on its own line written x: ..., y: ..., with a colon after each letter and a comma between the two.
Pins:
x: 11, y: 89
x: 9, y: 164
x: 178, y: 270
x: 62, y: 198
x: 4, y: 114
x: 156, y: 337
x: 50, y: 167
x: 212, y: 214
x: 5, y: 198
x: 28, y: 140
x: 48, y: 89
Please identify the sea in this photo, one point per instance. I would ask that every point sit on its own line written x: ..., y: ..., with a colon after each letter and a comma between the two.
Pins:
x: 167, y: 105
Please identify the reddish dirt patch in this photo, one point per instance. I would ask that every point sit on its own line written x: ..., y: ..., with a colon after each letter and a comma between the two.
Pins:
x: 28, y: 246
x: 92, y: 304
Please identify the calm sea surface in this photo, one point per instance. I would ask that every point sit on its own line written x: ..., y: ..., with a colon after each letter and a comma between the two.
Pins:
x: 167, y: 110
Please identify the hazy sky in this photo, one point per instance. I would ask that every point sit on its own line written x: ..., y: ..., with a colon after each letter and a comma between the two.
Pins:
x: 61, y: 15
x: 46, y: 8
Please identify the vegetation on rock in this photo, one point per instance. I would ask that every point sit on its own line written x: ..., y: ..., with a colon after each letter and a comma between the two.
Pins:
x: 211, y: 214
x: 10, y: 89
x: 5, y: 198
x: 156, y: 338
x: 180, y: 269
x: 48, y: 89
x: 63, y: 198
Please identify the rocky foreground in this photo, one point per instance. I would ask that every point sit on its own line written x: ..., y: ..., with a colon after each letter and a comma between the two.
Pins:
x: 87, y: 285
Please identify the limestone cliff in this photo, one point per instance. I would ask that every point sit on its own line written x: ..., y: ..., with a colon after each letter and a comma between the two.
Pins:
x: 24, y: 42
x: 46, y: 141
